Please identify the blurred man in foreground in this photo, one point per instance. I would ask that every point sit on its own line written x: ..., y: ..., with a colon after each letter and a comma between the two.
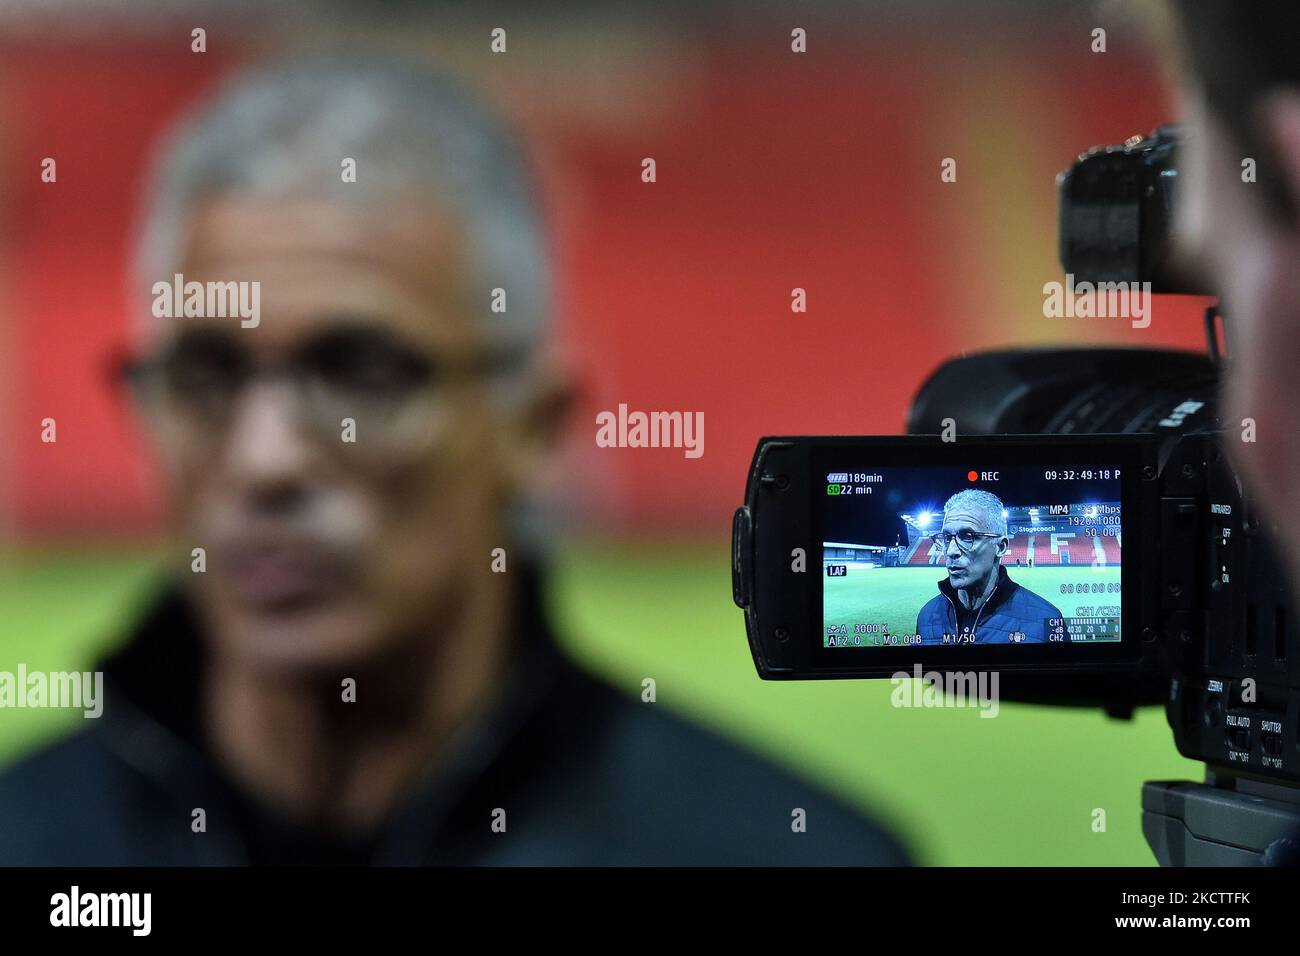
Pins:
x: 355, y: 667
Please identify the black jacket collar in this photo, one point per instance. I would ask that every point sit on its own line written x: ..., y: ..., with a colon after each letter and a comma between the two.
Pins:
x: 1002, y: 592
x: 159, y: 669
x: 153, y: 722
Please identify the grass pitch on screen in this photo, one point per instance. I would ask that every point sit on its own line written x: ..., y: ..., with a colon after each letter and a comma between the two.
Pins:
x: 894, y: 596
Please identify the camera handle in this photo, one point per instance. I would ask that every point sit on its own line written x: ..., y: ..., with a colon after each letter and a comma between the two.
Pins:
x: 1225, y: 821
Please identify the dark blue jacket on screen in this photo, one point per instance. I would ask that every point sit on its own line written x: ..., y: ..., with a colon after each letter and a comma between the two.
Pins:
x: 1010, y: 609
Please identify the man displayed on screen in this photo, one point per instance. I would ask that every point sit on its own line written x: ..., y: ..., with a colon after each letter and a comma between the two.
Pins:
x: 978, y: 603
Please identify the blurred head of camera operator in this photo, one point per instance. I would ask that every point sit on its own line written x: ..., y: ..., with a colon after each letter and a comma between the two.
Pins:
x: 1240, y: 93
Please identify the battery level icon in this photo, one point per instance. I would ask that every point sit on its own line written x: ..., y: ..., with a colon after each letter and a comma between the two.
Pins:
x: 837, y: 477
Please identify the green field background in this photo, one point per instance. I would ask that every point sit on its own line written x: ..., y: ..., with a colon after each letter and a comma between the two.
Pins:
x: 960, y: 789
x: 894, y: 596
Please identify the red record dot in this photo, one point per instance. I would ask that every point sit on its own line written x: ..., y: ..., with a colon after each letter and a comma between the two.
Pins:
x: 972, y: 475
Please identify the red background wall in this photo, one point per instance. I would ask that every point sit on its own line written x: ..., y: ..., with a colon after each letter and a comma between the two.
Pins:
x: 774, y: 171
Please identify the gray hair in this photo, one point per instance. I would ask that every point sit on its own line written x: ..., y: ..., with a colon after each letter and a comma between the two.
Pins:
x: 983, y: 503
x: 284, y: 131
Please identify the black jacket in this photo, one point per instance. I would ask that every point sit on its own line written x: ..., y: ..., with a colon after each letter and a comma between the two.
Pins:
x: 586, y: 775
x: 1010, y: 609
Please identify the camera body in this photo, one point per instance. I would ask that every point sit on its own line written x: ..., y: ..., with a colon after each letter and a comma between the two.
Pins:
x: 1228, y: 672
x: 1067, y: 518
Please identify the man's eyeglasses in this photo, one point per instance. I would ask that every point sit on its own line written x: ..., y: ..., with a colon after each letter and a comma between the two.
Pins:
x: 965, y: 538
x: 393, y: 393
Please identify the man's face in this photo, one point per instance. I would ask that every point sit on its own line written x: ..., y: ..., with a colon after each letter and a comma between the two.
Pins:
x: 1252, y: 260
x: 321, y: 550
x: 970, y: 569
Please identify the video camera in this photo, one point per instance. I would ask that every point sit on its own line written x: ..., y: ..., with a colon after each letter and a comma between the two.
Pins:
x: 1067, y: 518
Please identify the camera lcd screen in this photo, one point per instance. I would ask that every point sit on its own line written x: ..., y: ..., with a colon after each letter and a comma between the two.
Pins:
x: 970, y: 554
